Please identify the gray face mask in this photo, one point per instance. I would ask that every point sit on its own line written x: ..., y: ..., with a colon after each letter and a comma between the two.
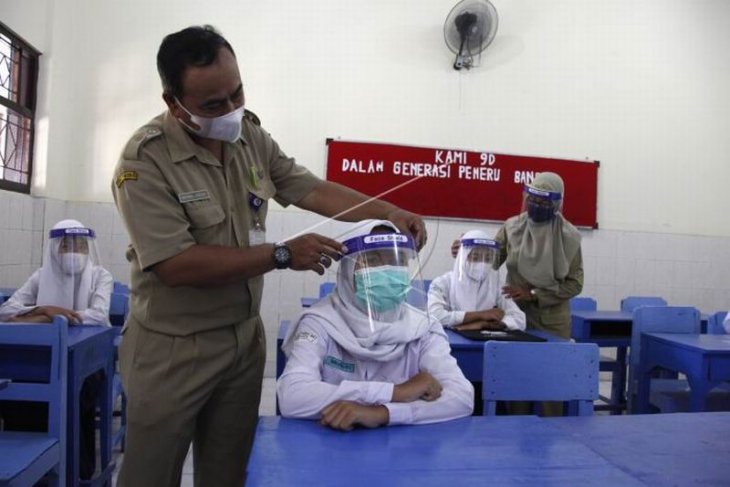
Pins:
x: 226, y: 127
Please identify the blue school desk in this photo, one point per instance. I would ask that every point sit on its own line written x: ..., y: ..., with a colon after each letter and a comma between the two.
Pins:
x: 517, y: 450
x: 90, y: 350
x: 704, y: 359
x: 4, y: 383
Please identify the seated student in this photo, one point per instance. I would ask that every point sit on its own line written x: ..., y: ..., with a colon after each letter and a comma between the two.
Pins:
x: 362, y: 356
x: 71, y: 283
x: 469, y: 297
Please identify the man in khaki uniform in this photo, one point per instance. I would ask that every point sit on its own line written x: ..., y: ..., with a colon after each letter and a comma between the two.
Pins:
x: 192, y: 187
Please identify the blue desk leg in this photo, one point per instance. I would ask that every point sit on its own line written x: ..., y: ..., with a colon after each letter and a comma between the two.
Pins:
x: 74, y: 429
x: 618, y: 382
x: 643, y: 379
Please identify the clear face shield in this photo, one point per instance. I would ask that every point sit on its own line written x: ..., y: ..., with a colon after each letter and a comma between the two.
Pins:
x: 541, y: 206
x: 475, y: 261
x: 73, y: 250
x: 385, y: 275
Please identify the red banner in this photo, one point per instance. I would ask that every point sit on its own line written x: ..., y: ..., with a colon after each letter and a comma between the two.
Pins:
x: 455, y: 183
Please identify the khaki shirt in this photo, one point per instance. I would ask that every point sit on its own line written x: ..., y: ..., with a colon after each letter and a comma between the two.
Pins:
x: 173, y: 194
x: 550, y: 311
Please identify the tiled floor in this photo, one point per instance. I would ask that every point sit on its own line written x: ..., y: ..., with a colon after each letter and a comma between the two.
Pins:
x: 268, y: 408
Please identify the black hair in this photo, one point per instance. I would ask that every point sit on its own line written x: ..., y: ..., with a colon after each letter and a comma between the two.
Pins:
x: 194, y: 46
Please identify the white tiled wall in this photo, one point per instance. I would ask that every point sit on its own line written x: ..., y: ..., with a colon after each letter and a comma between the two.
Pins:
x: 685, y: 270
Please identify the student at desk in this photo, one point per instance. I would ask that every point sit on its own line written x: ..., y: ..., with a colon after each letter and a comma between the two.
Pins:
x: 470, y: 296
x: 71, y: 283
x: 362, y: 356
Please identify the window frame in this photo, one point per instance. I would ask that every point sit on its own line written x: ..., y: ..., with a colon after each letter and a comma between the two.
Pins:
x: 28, y: 87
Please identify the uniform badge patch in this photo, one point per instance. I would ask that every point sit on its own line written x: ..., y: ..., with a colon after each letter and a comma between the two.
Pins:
x: 199, y: 195
x: 336, y: 363
x: 305, y: 336
x: 125, y: 176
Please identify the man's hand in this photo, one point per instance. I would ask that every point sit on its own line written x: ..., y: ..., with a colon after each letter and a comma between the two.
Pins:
x: 517, y: 293
x: 455, y: 246
x: 47, y: 313
x: 345, y: 415
x: 314, y: 252
x: 409, y: 223
x: 421, y: 386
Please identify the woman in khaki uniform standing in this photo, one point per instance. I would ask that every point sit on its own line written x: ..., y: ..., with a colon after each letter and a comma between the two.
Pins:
x: 544, y: 264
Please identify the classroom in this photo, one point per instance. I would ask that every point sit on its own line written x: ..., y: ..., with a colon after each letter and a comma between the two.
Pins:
x: 625, y: 101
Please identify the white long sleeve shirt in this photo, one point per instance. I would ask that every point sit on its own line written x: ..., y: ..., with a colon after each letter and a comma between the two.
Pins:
x: 319, y: 372
x: 24, y: 299
x: 440, y: 308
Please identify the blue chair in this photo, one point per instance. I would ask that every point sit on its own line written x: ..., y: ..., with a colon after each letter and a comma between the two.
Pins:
x: 518, y: 371
x: 630, y: 303
x: 26, y: 458
x: 118, y: 308
x: 715, y: 323
x: 582, y: 303
x: 120, y: 288
x: 668, y: 394
x: 325, y: 288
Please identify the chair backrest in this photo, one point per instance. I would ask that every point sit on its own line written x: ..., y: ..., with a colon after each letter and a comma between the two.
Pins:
x: 630, y: 303
x: 523, y: 371
x: 661, y: 319
x: 582, y: 303
x: 715, y: 324
x: 325, y: 288
x: 120, y: 288
x: 53, y: 340
x: 118, y: 308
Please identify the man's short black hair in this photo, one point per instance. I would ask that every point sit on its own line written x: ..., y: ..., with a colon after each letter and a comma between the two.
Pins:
x: 194, y: 46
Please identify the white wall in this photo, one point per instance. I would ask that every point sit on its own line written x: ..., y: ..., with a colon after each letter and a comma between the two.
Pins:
x: 640, y: 86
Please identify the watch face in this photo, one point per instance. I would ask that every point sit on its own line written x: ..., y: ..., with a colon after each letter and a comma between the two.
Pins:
x: 282, y: 256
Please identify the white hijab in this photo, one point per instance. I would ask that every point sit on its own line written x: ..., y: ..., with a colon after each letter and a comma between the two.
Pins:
x: 466, y: 293
x: 380, y: 338
x: 56, y: 287
x: 543, y: 251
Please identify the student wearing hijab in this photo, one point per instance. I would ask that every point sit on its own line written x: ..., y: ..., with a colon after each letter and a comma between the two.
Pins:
x: 363, y: 356
x: 70, y: 282
x: 469, y: 297
x: 542, y: 253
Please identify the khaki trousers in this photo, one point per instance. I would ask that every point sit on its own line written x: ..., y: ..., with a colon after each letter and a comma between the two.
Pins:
x: 203, y: 388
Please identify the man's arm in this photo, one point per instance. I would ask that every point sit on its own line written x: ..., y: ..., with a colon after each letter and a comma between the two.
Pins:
x: 334, y: 200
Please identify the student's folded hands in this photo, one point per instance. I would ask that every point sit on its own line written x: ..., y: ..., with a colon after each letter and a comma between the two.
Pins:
x: 421, y: 386
x: 345, y: 415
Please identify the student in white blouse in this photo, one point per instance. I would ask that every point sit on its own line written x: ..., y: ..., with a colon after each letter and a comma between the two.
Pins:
x: 469, y: 297
x: 363, y: 356
x: 70, y: 282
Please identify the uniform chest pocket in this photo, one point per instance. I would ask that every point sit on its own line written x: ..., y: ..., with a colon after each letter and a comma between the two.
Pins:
x: 204, y: 216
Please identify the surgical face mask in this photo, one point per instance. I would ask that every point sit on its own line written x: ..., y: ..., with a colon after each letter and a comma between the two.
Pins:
x: 382, y: 288
x: 477, y: 270
x: 540, y: 213
x: 73, y: 263
x: 226, y: 127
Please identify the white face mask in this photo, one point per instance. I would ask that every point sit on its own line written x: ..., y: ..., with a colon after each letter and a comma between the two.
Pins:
x: 477, y: 270
x: 226, y: 127
x: 73, y: 263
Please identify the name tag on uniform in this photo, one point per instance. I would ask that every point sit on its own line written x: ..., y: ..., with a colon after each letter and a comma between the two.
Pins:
x: 336, y: 363
x: 200, y: 195
x: 256, y: 236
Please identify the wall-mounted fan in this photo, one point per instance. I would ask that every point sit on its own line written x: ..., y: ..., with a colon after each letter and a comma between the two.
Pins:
x: 469, y: 28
